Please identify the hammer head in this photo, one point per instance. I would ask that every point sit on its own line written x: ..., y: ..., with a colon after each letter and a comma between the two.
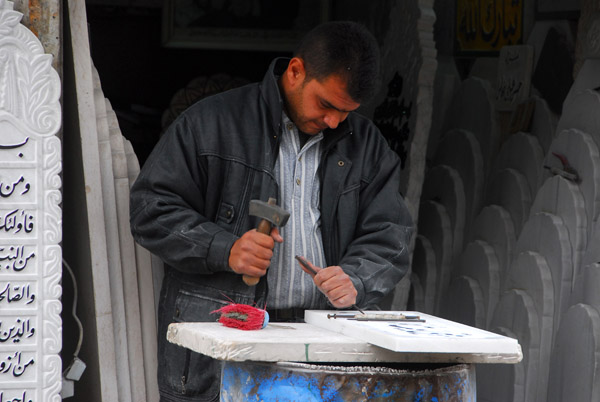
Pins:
x: 269, y: 211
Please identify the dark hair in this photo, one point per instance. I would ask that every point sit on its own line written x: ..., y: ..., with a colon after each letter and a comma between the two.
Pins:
x: 346, y: 48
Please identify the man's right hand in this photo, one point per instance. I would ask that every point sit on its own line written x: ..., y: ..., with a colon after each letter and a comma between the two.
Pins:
x: 251, y: 254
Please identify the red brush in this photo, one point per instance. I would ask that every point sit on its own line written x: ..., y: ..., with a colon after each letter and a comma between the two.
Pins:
x: 243, y: 316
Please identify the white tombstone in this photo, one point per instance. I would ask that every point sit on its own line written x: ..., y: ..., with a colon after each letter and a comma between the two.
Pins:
x: 443, y: 184
x: 30, y: 216
x: 434, y: 224
x: 575, y: 366
x: 547, y: 234
x: 522, y: 152
x: 509, y: 189
x: 563, y: 198
x: 581, y: 152
x: 516, y: 312
x: 529, y: 271
x: 543, y: 123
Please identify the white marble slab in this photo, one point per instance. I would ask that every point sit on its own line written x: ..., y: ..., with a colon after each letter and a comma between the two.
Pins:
x: 516, y: 312
x: 582, y: 113
x: 30, y: 216
x: 563, y: 198
x: 523, y: 153
x: 435, y: 335
x: 588, y: 77
x: 479, y: 261
x: 582, y: 154
x: 587, y: 284
x: 302, y: 342
x: 424, y: 268
x: 547, y: 235
x: 509, y: 189
x: 434, y: 224
x: 472, y: 109
x: 464, y: 302
x: 592, y: 253
x: 530, y: 271
x: 113, y: 246
x: 575, y: 366
x: 460, y: 150
x: 501, y: 382
x: 495, y: 226
x: 444, y: 185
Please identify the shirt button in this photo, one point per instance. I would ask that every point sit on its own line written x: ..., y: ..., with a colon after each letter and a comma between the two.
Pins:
x: 300, y: 159
x: 298, y: 181
x: 290, y: 126
x: 340, y: 163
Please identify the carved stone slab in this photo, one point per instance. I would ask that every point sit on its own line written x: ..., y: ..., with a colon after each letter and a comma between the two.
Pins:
x: 588, y: 77
x: 523, y: 153
x: 586, y: 286
x: 495, y: 226
x: 582, y: 113
x: 30, y: 216
x: 479, y: 261
x: 472, y: 109
x: 432, y: 335
x: 434, y: 224
x: 460, y: 150
x: 509, y: 189
x: 424, y: 268
x: 563, y: 198
x: 516, y: 312
x: 546, y: 234
x: 464, y: 302
x: 575, y: 366
x: 501, y: 382
x: 530, y: 271
x: 582, y: 154
x: 444, y: 185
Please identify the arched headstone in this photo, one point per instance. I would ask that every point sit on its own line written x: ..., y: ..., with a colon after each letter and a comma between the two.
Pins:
x: 547, y: 235
x: 509, y: 189
x: 495, y: 226
x: 30, y: 216
x: 529, y: 271
x: 444, y: 185
x: 563, y: 198
x: 523, y: 153
x: 516, y: 312
x: 575, y: 366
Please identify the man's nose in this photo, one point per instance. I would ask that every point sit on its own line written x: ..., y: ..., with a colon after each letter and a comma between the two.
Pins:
x: 333, y: 119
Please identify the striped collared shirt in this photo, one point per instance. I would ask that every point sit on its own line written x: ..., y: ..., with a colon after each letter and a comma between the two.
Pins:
x: 299, y: 192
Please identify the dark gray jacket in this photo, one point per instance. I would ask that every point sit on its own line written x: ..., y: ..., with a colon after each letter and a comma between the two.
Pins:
x: 190, y: 201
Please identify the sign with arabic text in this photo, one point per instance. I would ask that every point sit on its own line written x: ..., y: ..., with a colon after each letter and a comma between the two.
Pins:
x: 30, y: 216
x: 488, y: 25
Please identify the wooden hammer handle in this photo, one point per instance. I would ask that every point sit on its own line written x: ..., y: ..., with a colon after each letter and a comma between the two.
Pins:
x: 263, y: 227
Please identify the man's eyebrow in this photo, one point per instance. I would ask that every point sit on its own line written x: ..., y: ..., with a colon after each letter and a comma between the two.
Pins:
x: 329, y: 105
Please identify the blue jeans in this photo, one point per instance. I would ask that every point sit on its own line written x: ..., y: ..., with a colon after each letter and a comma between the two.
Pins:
x: 184, y: 375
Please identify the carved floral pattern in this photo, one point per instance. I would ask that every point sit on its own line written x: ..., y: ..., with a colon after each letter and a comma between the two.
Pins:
x: 30, y: 109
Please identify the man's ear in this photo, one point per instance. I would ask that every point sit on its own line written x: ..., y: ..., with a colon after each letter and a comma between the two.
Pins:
x: 295, y: 71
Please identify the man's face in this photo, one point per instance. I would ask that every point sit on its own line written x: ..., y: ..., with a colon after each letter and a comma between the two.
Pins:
x: 316, y: 105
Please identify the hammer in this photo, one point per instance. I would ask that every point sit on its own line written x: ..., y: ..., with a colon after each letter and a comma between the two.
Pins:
x: 271, y: 214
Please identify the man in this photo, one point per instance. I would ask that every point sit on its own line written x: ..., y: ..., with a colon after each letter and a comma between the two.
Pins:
x: 295, y: 137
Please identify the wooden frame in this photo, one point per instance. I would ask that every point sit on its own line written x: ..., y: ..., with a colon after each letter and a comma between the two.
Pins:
x: 240, y: 25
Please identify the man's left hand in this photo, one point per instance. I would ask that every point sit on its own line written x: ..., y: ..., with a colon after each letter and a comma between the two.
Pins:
x: 335, y: 284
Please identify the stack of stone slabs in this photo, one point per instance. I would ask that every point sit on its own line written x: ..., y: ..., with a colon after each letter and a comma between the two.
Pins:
x: 122, y: 355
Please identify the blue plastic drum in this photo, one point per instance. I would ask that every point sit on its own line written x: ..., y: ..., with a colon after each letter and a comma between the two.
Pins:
x: 258, y: 381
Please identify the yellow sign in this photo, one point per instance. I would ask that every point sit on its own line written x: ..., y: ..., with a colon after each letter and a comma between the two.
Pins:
x: 483, y: 25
